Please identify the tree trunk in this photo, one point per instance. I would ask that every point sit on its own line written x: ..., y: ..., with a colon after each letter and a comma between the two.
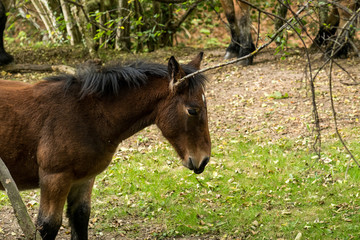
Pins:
x: 22, y: 216
x: 281, y: 11
x: 122, y: 40
x: 52, y: 32
x: 167, y: 19
x: 139, y: 29
x: 71, y: 29
x: 81, y: 18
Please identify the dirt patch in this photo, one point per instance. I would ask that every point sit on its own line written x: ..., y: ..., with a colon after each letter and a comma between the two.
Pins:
x: 270, y: 99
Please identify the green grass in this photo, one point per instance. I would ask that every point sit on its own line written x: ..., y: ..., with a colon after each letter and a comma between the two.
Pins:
x: 252, y: 188
x: 255, y: 188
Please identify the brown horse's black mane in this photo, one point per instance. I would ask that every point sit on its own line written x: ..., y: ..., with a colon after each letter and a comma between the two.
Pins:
x: 108, y: 80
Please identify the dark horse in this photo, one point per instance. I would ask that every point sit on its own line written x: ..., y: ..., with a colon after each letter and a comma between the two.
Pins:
x: 60, y: 133
x: 238, y: 17
x: 5, y: 58
x: 335, y: 33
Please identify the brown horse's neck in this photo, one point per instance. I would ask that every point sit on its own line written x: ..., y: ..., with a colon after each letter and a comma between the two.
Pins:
x: 133, y: 110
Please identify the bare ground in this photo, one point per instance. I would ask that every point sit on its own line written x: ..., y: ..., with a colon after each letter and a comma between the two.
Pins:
x: 270, y: 99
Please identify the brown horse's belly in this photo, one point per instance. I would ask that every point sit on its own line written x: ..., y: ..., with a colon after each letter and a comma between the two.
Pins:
x: 25, y: 175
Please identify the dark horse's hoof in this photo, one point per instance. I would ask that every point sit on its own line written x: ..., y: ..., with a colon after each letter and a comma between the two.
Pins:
x: 5, y: 58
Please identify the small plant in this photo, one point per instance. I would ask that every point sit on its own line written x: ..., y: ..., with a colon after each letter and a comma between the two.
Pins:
x: 278, y: 95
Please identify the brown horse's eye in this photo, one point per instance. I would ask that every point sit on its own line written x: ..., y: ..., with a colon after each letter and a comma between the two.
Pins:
x: 193, y: 111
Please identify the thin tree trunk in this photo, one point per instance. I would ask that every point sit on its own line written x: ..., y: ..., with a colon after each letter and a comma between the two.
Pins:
x: 281, y: 11
x: 45, y: 19
x: 79, y: 12
x: 138, y: 14
x: 52, y: 19
x: 166, y: 38
x: 123, y: 30
x: 70, y: 27
x: 22, y: 216
x: 102, y: 20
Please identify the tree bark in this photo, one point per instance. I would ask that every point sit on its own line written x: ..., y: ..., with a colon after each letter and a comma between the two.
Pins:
x: 281, y: 11
x: 122, y: 40
x: 44, y: 18
x: 71, y: 29
x: 52, y: 18
x: 22, y: 216
x: 81, y: 17
x: 139, y: 28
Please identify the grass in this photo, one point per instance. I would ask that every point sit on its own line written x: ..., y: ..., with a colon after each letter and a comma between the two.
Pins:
x: 253, y: 188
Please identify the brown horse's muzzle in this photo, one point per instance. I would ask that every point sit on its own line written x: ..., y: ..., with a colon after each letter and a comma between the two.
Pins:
x: 200, y: 168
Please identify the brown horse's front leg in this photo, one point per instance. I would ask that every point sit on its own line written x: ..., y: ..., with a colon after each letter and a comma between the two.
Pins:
x: 54, y: 190
x: 78, y: 210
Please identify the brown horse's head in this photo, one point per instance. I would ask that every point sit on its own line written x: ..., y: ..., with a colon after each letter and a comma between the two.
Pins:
x: 183, y: 116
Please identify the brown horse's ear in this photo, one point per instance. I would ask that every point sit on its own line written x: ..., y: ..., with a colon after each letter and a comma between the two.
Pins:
x: 175, y: 73
x: 196, y: 61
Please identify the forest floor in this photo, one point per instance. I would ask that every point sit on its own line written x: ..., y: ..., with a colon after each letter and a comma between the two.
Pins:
x: 271, y: 98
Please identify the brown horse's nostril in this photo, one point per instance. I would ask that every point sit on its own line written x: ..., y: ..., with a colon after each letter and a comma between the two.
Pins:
x: 204, y: 162
x: 202, y: 166
x: 191, y: 164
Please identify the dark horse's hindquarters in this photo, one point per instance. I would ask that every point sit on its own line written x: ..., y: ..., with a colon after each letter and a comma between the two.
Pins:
x: 5, y: 58
x: 60, y: 133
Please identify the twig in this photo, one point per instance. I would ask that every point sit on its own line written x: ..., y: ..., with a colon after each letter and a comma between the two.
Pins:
x: 333, y: 52
x: 203, y: 185
x: 317, y: 143
x: 258, y: 29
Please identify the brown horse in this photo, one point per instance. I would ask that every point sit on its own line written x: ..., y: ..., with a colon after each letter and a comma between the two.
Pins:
x: 60, y: 133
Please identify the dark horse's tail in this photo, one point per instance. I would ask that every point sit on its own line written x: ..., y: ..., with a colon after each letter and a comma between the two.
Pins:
x: 5, y: 58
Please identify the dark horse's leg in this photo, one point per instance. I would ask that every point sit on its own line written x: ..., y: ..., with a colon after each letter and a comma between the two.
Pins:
x: 78, y: 211
x: 328, y: 34
x: 238, y: 16
x: 5, y: 58
x: 54, y: 191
